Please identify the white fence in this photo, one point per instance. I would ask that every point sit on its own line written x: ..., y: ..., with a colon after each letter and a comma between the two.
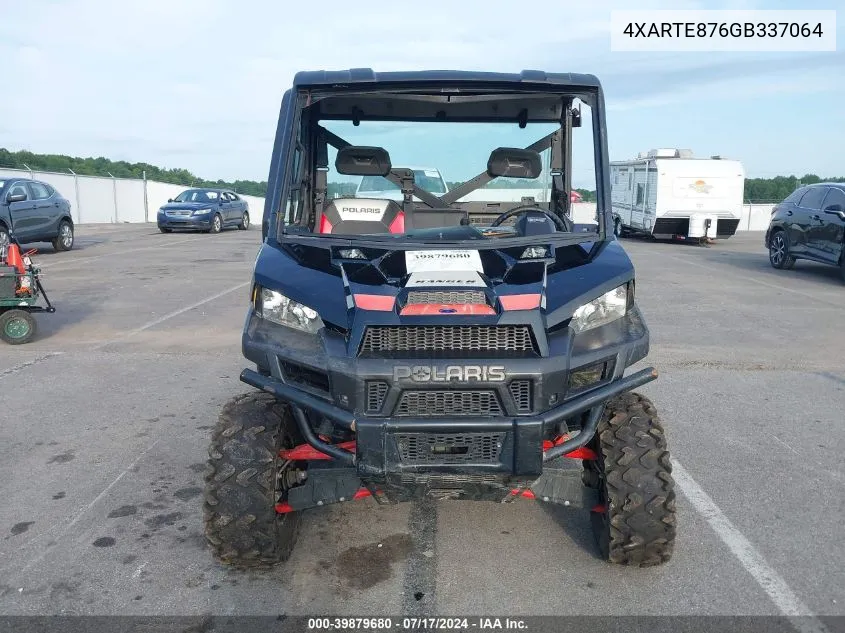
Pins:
x: 98, y: 200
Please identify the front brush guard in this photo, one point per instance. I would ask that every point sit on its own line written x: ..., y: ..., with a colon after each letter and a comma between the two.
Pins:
x: 594, y: 401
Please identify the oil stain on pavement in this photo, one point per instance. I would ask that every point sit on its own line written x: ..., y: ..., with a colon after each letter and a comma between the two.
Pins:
x: 364, y: 566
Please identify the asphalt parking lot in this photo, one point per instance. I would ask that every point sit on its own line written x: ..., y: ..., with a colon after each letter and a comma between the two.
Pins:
x: 107, y: 415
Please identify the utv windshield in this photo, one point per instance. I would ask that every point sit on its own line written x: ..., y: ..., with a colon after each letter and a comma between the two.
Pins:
x: 497, y: 166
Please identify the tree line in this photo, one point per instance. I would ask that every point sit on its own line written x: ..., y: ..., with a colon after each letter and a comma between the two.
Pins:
x: 121, y: 169
x: 756, y: 189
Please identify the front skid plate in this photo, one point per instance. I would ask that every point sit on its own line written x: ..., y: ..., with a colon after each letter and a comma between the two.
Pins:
x: 324, y: 486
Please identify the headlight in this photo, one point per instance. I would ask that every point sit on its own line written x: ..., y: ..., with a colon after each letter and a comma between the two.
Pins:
x: 276, y: 307
x: 607, y: 308
x: 202, y: 211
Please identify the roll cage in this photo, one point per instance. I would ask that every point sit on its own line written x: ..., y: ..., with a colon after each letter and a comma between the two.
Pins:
x: 304, y: 186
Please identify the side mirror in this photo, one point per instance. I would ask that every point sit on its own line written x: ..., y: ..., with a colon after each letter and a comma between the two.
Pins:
x: 18, y: 197
x: 170, y: 199
x: 836, y: 209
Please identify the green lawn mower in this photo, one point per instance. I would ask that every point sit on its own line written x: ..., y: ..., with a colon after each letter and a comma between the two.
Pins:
x: 20, y: 291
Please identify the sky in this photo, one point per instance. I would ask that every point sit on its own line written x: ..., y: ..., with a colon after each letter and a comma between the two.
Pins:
x: 197, y: 84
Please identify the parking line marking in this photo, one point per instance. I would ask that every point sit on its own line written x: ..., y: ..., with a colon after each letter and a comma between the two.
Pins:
x: 769, y: 580
x: 175, y: 313
x: 85, y: 260
x: 85, y: 510
x: 35, y: 361
x: 753, y: 280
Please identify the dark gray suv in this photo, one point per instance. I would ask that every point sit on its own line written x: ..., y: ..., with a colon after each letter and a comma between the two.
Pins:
x: 809, y: 224
x: 40, y: 213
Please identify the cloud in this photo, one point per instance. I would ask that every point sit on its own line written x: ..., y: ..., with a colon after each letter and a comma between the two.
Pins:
x: 199, y: 82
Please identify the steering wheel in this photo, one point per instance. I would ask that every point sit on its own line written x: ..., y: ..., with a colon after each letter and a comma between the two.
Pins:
x: 558, y: 221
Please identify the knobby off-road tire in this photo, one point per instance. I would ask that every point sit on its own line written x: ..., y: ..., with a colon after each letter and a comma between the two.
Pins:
x: 241, y: 483
x: 634, y: 476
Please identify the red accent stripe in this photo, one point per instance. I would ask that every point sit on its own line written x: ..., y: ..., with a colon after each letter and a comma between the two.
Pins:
x: 398, y: 224
x: 599, y: 508
x: 307, y: 452
x: 528, y: 494
x: 284, y: 507
x: 520, y: 302
x: 325, y: 225
x: 381, y: 303
x: 578, y: 453
x: 434, y: 309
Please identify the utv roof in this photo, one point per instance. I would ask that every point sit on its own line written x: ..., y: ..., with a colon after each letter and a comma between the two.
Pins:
x: 369, y: 76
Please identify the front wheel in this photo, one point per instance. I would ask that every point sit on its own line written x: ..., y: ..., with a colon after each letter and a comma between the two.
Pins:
x: 779, y: 256
x: 64, y: 240
x: 17, y: 327
x: 245, y: 480
x: 634, y: 524
x: 244, y: 225
x: 216, y: 223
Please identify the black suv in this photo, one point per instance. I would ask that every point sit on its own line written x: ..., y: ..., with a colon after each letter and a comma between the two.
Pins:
x: 809, y: 224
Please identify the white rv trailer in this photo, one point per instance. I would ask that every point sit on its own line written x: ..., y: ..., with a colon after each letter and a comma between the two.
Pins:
x: 669, y: 193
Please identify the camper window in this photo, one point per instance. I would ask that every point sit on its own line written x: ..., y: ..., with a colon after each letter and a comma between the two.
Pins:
x: 640, y: 193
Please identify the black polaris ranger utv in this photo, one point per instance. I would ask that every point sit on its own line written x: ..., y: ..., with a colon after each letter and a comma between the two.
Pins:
x: 467, y: 341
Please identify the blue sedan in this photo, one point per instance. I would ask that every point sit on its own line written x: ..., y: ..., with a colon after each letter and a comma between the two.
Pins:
x: 207, y: 210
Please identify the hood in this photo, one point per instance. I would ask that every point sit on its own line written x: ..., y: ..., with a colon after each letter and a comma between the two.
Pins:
x: 423, y: 287
x: 193, y: 206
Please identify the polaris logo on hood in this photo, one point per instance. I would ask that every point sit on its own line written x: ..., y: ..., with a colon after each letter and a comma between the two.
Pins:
x: 450, y: 373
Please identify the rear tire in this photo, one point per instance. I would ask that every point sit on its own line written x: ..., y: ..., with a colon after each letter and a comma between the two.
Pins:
x: 17, y: 327
x: 779, y: 256
x: 633, y: 473
x: 242, y: 526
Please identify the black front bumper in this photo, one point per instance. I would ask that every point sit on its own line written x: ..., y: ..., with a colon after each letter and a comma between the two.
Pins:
x: 378, y: 439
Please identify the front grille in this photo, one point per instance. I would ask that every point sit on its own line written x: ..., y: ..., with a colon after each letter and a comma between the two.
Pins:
x: 376, y: 391
x: 445, y: 341
x: 521, y: 394
x: 428, y: 404
x: 447, y: 448
x: 462, y: 297
x: 448, y: 480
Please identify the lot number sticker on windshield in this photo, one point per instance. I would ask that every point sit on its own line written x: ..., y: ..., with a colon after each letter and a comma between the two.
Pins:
x: 428, y: 261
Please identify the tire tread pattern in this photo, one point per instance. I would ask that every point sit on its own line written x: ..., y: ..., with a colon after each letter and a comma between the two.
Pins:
x: 638, y: 483
x: 241, y: 524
